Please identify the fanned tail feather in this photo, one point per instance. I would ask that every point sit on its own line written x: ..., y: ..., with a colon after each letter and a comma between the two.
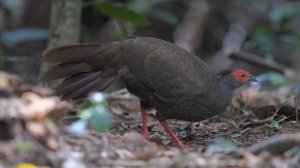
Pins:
x: 65, y: 70
x: 71, y: 53
x: 84, y: 68
x: 79, y: 85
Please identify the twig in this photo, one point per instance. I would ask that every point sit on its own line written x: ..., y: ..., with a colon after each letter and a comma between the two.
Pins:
x: 296, y: 100
x: 121, y: 94
x: 257, y: 60
x: 284, y: 118
x: 242, y: 132
x: 190, y: 32
x: 232, y: 43
x: 123, y: 163
x: 277, y: 110
x: 260, y: 61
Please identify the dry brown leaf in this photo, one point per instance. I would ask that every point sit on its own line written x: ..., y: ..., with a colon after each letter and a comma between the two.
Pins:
x: 25, y: 109
x: 36, y: 129
x: 122, y: 101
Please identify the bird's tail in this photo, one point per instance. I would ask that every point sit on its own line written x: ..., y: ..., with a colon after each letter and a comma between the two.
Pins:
x: 84, y: 68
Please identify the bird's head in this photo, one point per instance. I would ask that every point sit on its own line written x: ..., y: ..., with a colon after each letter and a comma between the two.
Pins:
x: 243, y: 76
x: 236, y: 78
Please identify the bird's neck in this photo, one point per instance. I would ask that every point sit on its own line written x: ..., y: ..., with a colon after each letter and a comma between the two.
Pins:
x: 226, y: 90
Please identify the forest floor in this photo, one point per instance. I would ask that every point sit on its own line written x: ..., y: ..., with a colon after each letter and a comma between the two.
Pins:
x: 259, y: 129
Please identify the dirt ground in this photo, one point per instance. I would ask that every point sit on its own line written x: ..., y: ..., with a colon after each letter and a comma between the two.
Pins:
x: 240, y: 129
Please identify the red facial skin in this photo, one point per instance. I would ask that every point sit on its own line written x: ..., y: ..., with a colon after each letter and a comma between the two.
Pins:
x: 242, y: 75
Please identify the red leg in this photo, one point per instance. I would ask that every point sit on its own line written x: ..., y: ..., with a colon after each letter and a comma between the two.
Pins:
x: 144, y: 122
x: 172, y: 134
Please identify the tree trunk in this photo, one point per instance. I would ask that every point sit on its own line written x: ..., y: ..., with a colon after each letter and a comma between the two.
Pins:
x: 64, y: 26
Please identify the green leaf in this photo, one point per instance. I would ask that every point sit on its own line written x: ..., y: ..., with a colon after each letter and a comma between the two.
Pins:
x: 165, y: 16
x: 78, y: 127
x: 140, y: 6
x: 95, y: 113
x: 86, y: 113
x: 101, y: 119
x: 274, y: 124
x: 277, y: 79
x: 221, y: 146
x: 120, y: 36
x: 22, y: 146
x: 121, y: 13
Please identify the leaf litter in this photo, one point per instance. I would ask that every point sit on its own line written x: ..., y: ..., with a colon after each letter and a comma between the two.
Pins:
x: 259, y: 129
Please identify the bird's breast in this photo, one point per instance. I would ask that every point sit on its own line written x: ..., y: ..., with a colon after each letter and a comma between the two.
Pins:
x: 192, y: 108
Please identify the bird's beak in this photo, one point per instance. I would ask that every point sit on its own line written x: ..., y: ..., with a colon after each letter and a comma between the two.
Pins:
x: 252, y: 79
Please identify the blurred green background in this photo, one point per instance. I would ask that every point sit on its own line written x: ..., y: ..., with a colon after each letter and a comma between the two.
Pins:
x: 219, y: 32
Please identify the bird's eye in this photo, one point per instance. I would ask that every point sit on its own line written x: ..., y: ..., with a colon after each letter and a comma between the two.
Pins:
x: 242, y: 75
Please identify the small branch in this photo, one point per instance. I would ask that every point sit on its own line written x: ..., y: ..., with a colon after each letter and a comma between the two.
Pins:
x: 232, y: 43
x: 260, y: 61
x: 296, y: 100
x: 257, y: 60
x: 277, y: 110
x: 189, y: 34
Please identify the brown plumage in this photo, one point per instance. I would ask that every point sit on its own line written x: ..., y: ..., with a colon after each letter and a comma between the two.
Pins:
x: 173, y: 81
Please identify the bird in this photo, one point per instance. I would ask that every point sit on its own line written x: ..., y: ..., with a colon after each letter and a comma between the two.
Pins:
x: 175, y: 82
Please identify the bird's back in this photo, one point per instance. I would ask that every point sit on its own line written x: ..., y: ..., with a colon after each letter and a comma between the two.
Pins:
x: 167, y: 69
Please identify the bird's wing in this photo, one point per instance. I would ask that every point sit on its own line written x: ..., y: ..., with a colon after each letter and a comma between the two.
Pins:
x: 166, y: 68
